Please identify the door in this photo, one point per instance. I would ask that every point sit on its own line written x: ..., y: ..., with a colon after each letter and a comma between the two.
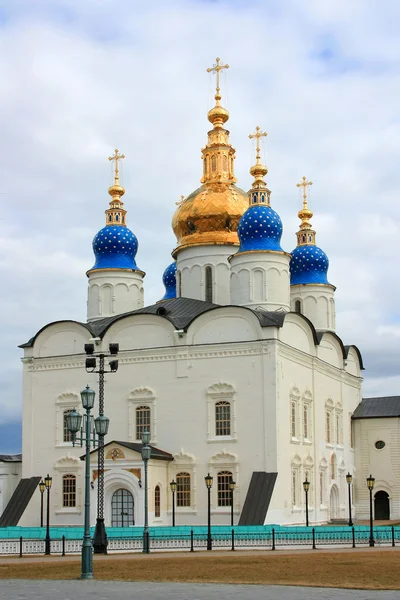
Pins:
x: 122, y: 509
x: 382, y: 509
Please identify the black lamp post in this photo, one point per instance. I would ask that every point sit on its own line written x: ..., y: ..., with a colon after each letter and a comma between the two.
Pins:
x: 306, y: 487
x: 74, y: 420
x: 349, y: 479
x: 100, y: 535
x: 232, y: 485
x: 47, y: 482
x: 42, y: 487
x: 173, y: 490
x: 209, y: 481
x: 146, y: 453
x: 370, y: 484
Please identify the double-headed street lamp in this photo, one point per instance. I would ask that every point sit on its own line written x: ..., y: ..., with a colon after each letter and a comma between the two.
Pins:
x: 232, y: 485
x: 349, y: 479
x: 100, y: 535
x: 42, y: 487
x: 306, y: 487
x: 47, y: 483
x: 209, y: 481
x: 146, y: 453
x: 101, y: 423
x: 172, y: 485
x: 370, y: 484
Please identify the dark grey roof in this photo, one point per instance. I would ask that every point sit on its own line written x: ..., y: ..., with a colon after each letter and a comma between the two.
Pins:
x: 156, y: 453
x: 378, y: 408
x: 19, y: 501
x: 11, y: 458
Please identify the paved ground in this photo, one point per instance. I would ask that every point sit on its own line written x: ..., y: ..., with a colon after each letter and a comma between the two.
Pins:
x: 108, y: 590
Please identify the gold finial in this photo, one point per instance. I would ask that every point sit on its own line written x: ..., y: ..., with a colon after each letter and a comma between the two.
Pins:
x: 116, y: 157
x: 304, y: 183
x: 258, y: 134
x: 217, y: 68
x: 180, y: 201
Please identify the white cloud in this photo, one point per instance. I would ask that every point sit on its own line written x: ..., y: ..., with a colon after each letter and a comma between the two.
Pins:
x: 82, y: 78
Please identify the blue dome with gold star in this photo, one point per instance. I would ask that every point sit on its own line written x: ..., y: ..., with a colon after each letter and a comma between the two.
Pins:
x: 260, y: 229
x: 115, y: 247
x: 169, y: 281
x: 309, y: 264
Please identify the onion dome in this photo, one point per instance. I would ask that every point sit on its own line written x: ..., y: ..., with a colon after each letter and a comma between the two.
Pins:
x: 309, y: 264
x: 169, y: 281
x: 260, y: 228
x: 211, y: 214
x: 115, y: 246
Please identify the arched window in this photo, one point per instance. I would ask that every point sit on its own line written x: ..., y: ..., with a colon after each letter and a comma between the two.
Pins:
x: 223, y: 418
x: 321, y: 486
x: 157, y: 501
x: 67, y: 437
x: 328, y: 421
x: 224, y: 163
x: 294, y: 487
x: 333, y: 466
x: 69, y: 491
x: 213, y: 163
x: 183, y: 489
x: 209, y: 285
x: 178, y: 284
x: 224, y: 479
x: 293, y: 419
x: 305, y: 421
x: 297, y: 307
x: 142, y: 421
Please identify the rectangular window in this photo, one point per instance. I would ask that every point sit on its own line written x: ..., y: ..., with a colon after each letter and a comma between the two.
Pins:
x: 183, y: 489
x: 224, y: 490
x: 338, y: 432
x: 351, y: 434
x: 294, y: 487
x: 328, y: 427
x: 69, y: 491
x: 157, y: 507
x: 142, y: 421
x: 67, y: 436
x: 321, y: 487
x: 305, y: 421
x: 293, y: 419
x: 223, y: 418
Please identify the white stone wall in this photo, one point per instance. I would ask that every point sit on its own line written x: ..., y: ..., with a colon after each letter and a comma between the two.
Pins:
x: 191, y: 264
x: 261, y: 279
x: 317, y: 303
x: 383, y: 464
x: 113, y: 292
x: 225, y: 354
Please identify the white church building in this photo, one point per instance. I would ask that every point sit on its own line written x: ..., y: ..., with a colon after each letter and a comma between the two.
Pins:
x: 237, y: 371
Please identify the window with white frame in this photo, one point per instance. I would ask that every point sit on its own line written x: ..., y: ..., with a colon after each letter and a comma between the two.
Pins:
x: 183, y: 489
x: 295, y: 476
x: 143, y: 421
x: 64, y: 404
x: 295, y: 481
x: 69, y: 491
x: 351, y: 432
x: 67, y: 435
x: 224, y: 493
x: 307, y: 416
x: 294, y: 414
x: 321, y: 486
x: 293, y: 418
x: 338, y: 424
x: 333, y: 466
x: 141, y: 414
x: 157, y: 501
x: 329, y: 412
x: 221, y: 414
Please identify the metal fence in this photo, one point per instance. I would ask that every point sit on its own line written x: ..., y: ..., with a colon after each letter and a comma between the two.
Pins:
x: 311, y: 538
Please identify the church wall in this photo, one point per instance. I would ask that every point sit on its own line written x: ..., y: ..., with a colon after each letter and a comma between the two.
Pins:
x: 113, y: 292
x: 317, y: 303
x: 61, y: 339
x: 381, y: 463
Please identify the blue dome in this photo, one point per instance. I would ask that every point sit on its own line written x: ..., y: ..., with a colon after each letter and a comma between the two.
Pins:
x: 309, y: 264
x: 115, y: 247
x: 260, y: 228
x: 169, y: 280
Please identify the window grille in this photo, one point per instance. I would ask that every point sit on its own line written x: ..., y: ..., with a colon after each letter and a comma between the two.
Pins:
x: 69, y: 491
x: 157, y: 501
x: 224, y: 491
x: 223, y: 418
x: 142, y: 421
x: 183, y: 489
x: 67, y: 436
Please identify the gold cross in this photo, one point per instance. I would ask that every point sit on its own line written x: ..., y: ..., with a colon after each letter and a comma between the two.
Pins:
x: 304, y: 183
x: 116, y: 157
x: 217, y: 68
x: 181, y: 200
x: 258, y: 134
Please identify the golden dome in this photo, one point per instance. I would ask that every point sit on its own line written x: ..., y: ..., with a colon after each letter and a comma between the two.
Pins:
x: 211, y: 214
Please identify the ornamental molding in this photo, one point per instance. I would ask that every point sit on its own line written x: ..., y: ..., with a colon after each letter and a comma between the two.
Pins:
x: 221, y: 389
x: 308, y: 461
x: 141, y: 393
x: 323, y: 464
x: 67, y: 398
x: 307, y: 395
x: 70, y: 462
x: 184, y: 458
x: 294, y: 392
x: 223, y: 457
x: 115, y: 454
x: 296, y: 460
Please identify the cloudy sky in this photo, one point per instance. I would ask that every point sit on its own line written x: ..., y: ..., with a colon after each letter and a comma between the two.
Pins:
x: 80, y: 78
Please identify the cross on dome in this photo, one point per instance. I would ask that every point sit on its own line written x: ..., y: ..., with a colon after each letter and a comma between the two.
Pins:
x: 116, y: 157
x: 304, y: 183
x: 257, y: 135
x: 216, y: 69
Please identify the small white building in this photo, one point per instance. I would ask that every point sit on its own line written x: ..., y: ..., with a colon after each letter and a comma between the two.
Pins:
x: 236, y: 372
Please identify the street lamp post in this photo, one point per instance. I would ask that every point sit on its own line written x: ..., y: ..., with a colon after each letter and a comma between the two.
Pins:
x: 146, y: 453
x: 370, y: 484
x: 209, y: 481
x: 232, y: 485
x: 173, y: 490
x: 100, y: 535
x: 42, y: 487
x: 349, y: 479
x: 47, y: 482
x: 74, y: 420
x: 306, y: 486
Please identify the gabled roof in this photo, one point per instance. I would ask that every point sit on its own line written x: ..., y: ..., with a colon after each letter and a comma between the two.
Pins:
x: 156, y: 453
x: 378, y: 408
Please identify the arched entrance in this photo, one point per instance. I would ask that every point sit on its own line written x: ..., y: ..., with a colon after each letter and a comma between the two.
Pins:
x: 382, y: 507
x: 334, y: 503
x: 122, y: 509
